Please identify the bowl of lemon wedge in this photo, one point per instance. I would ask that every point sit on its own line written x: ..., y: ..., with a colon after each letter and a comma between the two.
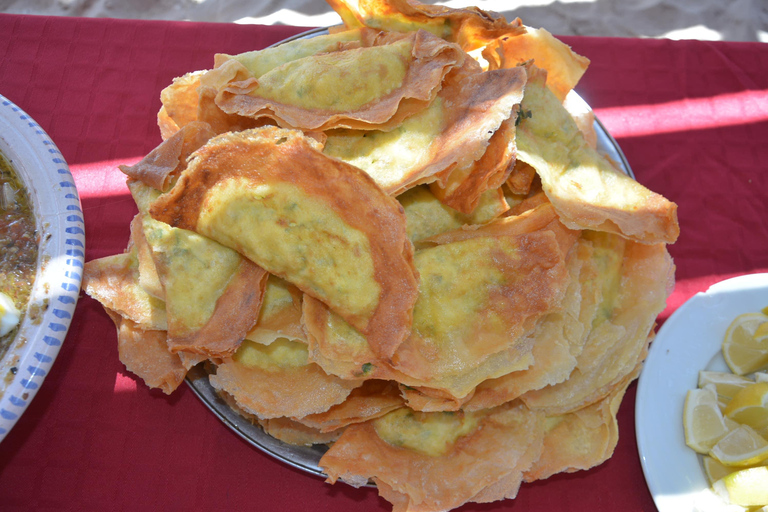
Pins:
x: 702, y: 402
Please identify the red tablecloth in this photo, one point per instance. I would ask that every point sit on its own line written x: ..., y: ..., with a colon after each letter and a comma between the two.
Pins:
x: 691, y: 117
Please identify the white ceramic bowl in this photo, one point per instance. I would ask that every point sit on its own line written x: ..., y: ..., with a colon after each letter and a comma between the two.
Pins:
x: 41, y: 167
x: 688, y: 342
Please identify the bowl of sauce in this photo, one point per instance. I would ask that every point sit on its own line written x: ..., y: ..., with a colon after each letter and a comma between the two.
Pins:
x: 42, y: 248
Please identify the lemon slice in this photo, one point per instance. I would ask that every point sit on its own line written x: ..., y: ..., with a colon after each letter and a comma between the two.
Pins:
x: 750, y: 407
x: 761, y: 333
x: 703, y: 422
x: 9, y: 315
x: 715, y: 470
x: 746, y: 487
x: 726, y: 384
x: 761, y: 377
x: 742, y: 446
x: 742, y: 351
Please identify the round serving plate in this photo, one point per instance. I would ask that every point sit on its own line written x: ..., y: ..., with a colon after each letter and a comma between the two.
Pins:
x: 61, y: 233
x: 307, y: 457
x: 688, y: 342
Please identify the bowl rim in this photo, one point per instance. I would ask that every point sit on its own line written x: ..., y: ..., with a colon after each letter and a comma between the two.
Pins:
x: 61, y: 252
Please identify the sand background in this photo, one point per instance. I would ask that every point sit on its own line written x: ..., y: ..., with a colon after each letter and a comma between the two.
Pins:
x: 727, y: 20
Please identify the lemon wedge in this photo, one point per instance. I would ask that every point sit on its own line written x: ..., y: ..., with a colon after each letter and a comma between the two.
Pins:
x: 743, y: 352
x: 749, y: 406
x: 715, y: 470
x: 746, y: 487
x: 741, y: 446
x: 703, y: 422
x: 9, y: 315
x: 761, y: 333
x: 726, y: 384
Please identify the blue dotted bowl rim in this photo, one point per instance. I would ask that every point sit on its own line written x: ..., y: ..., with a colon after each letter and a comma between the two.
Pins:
x: 61, y: 229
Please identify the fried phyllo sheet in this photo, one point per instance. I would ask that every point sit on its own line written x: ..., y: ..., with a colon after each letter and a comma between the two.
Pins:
x: 427, y: 216
x: 292, y: 432
x: 398, y: 240
x: 480, y: 291
x: 164, y: 163
x: 441, y: 460
x: 114, y: 282
x: 337, y: 347
x: 280, y: 314
x: 432, y: 400
x: 583, y: 116
x: 204, y: 318
x: 212, y: 294
x: 149, y: 279
x: 478, y: 296
x: 270, y: 381
x: 557, y: 339
x: 261, y: 62
x: 285, y: 429
x: 452, y: 133
x: 521, y: 178
x: 374, y: 398
x: 463, y: 187
x: 584, y: 186
x: 186, y: 100
x: 471, y: 27
x: 564, y: 67
x: 581, y: 439
x: 319, y: 223
x: 389, y: 78
x: 635, y: 283
x: 145, y: 354
x: 179, y: 104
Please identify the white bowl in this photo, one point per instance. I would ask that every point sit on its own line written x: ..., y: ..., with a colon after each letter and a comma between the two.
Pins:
x: 688, y: 342
x: 59, y: 217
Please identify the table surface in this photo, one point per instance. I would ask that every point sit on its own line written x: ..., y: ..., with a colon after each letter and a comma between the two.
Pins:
x: 691, y: 117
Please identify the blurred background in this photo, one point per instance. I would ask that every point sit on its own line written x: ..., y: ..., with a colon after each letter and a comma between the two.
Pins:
x: 715, y: 20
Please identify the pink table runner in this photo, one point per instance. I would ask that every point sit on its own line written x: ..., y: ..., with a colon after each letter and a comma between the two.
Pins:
x: 691, y: 117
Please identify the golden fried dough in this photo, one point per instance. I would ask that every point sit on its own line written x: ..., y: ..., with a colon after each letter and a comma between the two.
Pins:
x: 580, y: 439
x: 363, y: 87
x: 322, y: 225
x: 276, y: 380
x: 145, y: 354
x: 452, y: 133
x: 114, y: 282
x: 166, y: 161
x: 585, y: 188
x: 400, y: 241
x: 427, y: 216
x: 470, y: 27
x: 463, y: 187
x: 563, y: 66
x: 374, y: 398
x: 179, y: 104
x: 436, y: 461
x: 558, y: 337
x: 212, y: 294
x: 635, y: 284
x: 280, y: 313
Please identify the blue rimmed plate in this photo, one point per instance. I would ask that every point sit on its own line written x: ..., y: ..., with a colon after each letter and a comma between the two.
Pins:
x: 61, y: 234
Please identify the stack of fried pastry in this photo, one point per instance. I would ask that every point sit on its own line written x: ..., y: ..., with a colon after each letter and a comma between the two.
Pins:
x: 399, y: 240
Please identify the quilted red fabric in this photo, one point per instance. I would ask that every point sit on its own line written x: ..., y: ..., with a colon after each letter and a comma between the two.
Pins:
x: 691, y: 117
